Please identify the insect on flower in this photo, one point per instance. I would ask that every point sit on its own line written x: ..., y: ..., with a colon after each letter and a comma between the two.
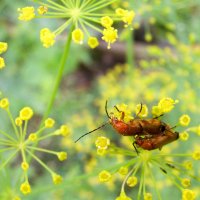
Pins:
x: 149, y: 134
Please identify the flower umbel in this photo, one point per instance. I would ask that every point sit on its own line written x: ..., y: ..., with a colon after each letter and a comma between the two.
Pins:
x: 83, y: 16
x: 27, y: 144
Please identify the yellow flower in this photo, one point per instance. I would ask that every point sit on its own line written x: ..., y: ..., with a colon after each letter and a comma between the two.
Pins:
x: 18, y: 121
x: 49, y: 123
x: 148, y: 37
x: 104, y: 176
x: 93, y: 42
x: 167, y: 104
x: 47, y: 37
x: 42, y: 10
x: 32, y: 137
x: 128, y: 17
x: 123, y: 170
x: 78, y: 36
x: 4, y: 103
x: 110, y: 35
x: 185, y: 182
x: 106, y: 22
x: 57, y: 179
x: 62, y: 156
x: 184, y: 136
x: 188, y: 165
x: 3, y: 47
x: 102, y: 142
x: 156, y: 111
x: 24, y: 166
x: 26, y: 13
x: 184, y: 120
x: 101, y: 152
x: 26, y: 113
x: 16, y: 198
x: 147, y: 196
x: 25, y: 188
x: 188, y: 195
x: 120, y: 11
x: 122, y: 108
x: 64, y: 130
x: 123, y: 196
x: 132, y: 181
x: 2, y: 63
x: 196, y: 155
x: 143, y: 112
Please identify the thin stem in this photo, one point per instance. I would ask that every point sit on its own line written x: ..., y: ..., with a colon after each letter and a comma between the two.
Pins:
x: 130, y: 52
x: 8, y: 136
x: 41, y: 162
x: 42, y: 150
x: 154, y: 183
x: 9, y: 158
x: 13, y: 123
x: 59, y: 76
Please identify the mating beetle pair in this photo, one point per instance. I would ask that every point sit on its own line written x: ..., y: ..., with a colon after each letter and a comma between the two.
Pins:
x: 149, y: 134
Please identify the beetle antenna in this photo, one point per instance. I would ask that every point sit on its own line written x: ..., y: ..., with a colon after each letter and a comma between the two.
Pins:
x: 91, y: 131
x: 106, y: 109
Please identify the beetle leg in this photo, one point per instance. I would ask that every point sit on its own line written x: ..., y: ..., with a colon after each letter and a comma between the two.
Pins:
x: 123, y: 114
x: 158, y: 116
x: 135, y: 148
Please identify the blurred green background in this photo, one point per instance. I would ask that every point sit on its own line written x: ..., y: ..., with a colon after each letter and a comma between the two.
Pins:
x: 166, y: 63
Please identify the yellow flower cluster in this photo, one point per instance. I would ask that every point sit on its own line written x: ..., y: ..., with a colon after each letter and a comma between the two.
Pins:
x: 3, y: 48
x: 26, y: 144
x: 82, y: 16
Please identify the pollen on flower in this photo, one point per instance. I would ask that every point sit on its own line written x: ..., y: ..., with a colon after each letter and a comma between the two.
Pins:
x: 143, y: 112
x: 25, y: 188
x: 2, y: 63
x: 148, y: 196
x: 196, y: 155
x: 57, y: 179
x: 102, y: 142
x: 104, y: 176
x: 62, y: 156
x: 184, y: 136
x: 188, y: 195
x: 78, y: 36
x: 49, y: 123
x: 106, y: 21
x: 64, y: 130
x: 42, y: 10
x: 47, y: 37
x: 93, y: 42
x: 167, y: 104
x: 123, y: 170
x: 32, y: 137
x: 24, y: 166
x: 4, y: 103
x: 3, y: 47
x: 184, y: 120
x: 186, y: 182
x: 18, y: 121
x: 26, y: 113
x: 26, y: 13
x: 123, y: 196
x: 110, y: 35
x: 132, y: 181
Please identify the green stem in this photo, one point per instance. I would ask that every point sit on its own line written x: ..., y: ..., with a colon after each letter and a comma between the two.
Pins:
x: 130, y: 51
x: 59, y: 76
